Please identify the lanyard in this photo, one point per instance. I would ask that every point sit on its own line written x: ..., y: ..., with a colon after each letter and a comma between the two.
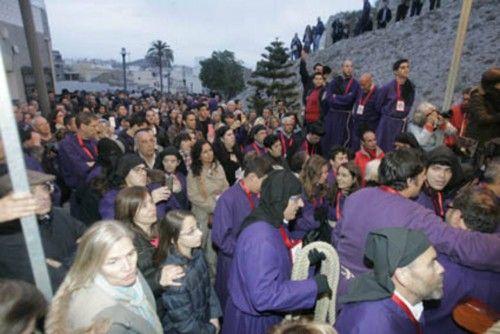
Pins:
x: 398, y: 90
x: 389, y: 190
x: 310, y: 149
x: 248, y: 193
x: 289, y: 243
x: 318, y: 202
x: 257, y: 148
x: 438, y: 204
x: 85, y: 148
x: 407, y: 311
x: 338, y: 214
x: 348, y: 87
x: 284, y: 145
x: 363, y: 101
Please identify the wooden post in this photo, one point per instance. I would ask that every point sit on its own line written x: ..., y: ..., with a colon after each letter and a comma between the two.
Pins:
x: 36, y: 59
x: 457, y: 53
x: 17, y: 173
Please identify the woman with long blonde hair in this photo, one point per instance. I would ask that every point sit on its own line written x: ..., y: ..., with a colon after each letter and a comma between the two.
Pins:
x: 314, y: 177
x: 104, y: 291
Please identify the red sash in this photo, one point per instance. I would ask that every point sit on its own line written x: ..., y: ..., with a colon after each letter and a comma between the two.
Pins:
x: 338, y: 214
x: 363, y: 101
x: 85, y: 148
x: 248, y: 193
x: 258, y: 149
x: 407, y: 311
x: 389, y: 190
x: 438, y: 204
x: 289, y: 243
x: 348, y: 87
x: 284, y: 145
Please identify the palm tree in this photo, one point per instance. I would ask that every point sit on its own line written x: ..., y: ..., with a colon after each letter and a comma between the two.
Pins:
x: 160, y: 54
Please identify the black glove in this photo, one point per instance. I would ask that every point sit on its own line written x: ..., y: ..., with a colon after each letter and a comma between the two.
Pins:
x: 310, y: 236
x: 315, y: 256
x: 322, y: 283
x: 321, y: 214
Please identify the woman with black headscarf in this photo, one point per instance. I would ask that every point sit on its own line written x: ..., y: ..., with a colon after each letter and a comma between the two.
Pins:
x: 260, y: 288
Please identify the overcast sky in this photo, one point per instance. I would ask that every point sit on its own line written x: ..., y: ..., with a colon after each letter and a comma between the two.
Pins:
x: 192, y: 28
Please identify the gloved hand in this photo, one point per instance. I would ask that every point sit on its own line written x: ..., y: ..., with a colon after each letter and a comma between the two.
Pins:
x: 310, y: 236
x: 315, y: 257
x: 322, y: 283
x: 321, y: 214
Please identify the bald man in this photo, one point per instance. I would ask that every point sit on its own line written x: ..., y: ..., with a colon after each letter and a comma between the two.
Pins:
x: 365, y: 113
x: 339, y: 97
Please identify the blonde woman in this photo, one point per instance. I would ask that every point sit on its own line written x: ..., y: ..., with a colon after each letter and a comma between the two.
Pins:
x: 104, y: 292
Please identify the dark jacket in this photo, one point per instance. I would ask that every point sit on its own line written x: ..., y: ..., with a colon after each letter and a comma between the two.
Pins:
x: 190, y: 306
x: 151, y: 273
x: 484, y: 116
x: 59, y: 232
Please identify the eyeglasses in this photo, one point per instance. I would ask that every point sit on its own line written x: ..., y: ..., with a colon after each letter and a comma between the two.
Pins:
x: 191, y: 232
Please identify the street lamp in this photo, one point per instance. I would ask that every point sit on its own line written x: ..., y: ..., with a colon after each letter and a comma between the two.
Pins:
x: 124, y: 54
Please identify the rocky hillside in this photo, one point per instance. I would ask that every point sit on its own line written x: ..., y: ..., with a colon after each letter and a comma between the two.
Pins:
x: 428, y: 41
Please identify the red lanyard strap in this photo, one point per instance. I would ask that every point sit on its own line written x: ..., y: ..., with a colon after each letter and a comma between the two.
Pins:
x: 256, y: 148
x: 389, y: 190
x: 363, y: 101
x: 406, y: 310
x: 289, y: 243
x: 85, y: 148
x: 284, y: 145
x: 438, y: 204
x: 248, y: 193
x: 337, y: 205
x: 348, y: 87
x: 398, y: 90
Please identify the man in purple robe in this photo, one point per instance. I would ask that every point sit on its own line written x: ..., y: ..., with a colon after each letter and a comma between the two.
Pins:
x: 395, y: 100
x: 366, y: 111
x: 339, y: 97
x: 475, y: 209
x: 260, y: 289
x: 232, y: 207
x: 257, y: 134
x: 443, y: 174
x: 401, y: 175
x: 389, y: 299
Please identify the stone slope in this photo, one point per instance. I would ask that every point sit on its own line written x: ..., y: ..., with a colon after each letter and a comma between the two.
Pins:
x: 428, y: 41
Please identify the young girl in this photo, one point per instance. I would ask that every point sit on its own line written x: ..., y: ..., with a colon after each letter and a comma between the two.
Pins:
x: 192, y: 307
x: 168, y: 161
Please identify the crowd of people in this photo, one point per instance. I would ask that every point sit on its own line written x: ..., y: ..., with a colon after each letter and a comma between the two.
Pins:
x: 182, y: 214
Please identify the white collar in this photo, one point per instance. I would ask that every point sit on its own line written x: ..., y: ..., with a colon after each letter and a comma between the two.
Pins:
x: 416, y: 309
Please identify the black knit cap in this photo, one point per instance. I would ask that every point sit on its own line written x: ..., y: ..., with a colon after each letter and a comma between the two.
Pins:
x: 125, y: 164
x: 388, y: 249
x: 277, y: 189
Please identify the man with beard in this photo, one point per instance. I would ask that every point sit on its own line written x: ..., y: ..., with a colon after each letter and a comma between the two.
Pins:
x: 390, y: 298
x: 395, y: 99
x: 339, y: 97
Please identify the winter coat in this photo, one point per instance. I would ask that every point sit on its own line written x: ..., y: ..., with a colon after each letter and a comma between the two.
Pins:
x: 189, y: 307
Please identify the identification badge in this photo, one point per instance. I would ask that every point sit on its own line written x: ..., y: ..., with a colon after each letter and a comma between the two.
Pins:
x: 400, y: 105
x: 360, y: 110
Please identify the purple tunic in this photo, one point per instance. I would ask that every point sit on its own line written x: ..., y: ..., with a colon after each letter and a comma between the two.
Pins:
x: 338, y: 112
x: 254, y: 147
x: 306, y: 222
x: 370, y: 209
x: 426, y: 200
x: 459, y: 282
x: 392, y: 122
x: 374, y: 317
x: 260, y: 290
x: 370, y: 116
x: 231, y: 208
x: 73, y: 161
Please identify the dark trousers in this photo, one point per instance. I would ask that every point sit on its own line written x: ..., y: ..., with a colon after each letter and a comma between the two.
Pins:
x: 416, y: 7
x: 434, y: 4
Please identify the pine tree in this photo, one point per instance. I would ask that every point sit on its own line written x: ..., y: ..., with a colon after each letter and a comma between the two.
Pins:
x: 273, y: 79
